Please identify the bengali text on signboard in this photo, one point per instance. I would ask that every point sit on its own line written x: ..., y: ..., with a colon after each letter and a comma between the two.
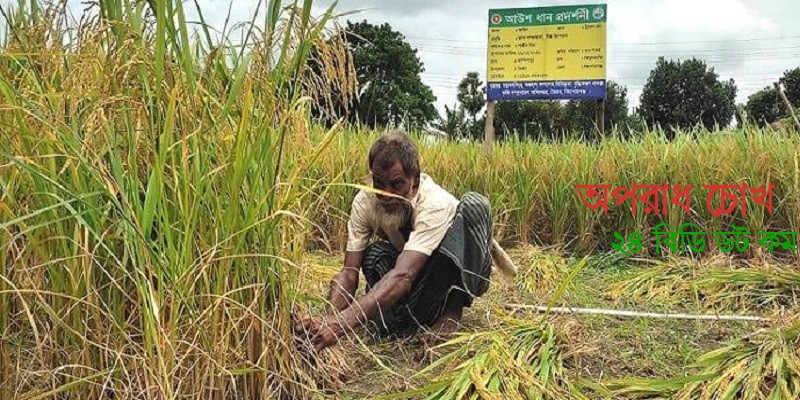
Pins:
x: 547, y: 53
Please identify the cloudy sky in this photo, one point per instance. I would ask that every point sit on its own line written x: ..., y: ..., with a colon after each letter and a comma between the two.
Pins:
x: 751, y: 41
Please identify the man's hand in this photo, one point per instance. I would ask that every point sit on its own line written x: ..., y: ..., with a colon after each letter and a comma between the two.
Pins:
x: 323, y: 331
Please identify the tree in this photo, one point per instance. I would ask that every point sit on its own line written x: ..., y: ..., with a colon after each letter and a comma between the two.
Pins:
x: 765, y: 106
x: 791, y: 84
x: 471, y: 95
x: 681, y: 95
x: 581, y: 113
x: 454, y: 123
x: 389, y: 71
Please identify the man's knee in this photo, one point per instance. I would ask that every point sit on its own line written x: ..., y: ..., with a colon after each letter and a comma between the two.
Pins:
x: 476, y: 199
x: 380, y: 249
x: 477, y: 212
x: 476, y: 205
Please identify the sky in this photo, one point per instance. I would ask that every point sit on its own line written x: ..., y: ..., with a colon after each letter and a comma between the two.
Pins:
x: 751, y: 41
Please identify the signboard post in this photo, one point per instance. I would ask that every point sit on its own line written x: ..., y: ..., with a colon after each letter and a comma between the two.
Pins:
x: 546, y: 53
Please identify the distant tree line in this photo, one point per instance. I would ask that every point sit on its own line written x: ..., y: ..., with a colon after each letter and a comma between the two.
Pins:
x: 678, y: 96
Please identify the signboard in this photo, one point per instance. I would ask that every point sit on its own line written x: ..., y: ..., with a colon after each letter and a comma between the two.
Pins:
x: 555, y: 53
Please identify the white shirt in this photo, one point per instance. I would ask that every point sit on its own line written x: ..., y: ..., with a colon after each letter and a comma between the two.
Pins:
x: 433, y: 210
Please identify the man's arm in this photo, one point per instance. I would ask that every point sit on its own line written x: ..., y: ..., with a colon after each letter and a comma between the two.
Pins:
x: 344, y: 284
x: 391, y: 288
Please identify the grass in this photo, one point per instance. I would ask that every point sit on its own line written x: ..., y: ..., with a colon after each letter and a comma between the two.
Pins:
x: 531, y: 185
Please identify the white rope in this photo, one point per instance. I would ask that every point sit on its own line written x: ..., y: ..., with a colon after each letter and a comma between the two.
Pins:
x: 622, y: 313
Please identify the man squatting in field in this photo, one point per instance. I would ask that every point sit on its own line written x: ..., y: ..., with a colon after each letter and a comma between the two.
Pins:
x: 433, y: 254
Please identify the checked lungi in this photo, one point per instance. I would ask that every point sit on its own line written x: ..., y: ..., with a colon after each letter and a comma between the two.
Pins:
x: 459, y: 267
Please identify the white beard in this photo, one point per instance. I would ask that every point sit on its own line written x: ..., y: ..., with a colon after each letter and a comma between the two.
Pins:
x: 391, y: 222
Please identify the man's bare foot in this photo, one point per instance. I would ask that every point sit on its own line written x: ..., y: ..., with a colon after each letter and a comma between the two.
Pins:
x: 438, y: 333
x: 446, y: 325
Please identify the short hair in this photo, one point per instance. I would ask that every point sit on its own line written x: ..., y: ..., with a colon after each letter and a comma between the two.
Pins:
x: 394, y: 146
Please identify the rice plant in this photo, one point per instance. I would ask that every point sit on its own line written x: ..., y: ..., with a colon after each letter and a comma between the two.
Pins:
x: 759, y: 287
x: 531, y: 185
x: 155, y: 193
x: 540, y: 272
x: 754, y: 288
x: 762, y: 366
x: 526, y: 360
x: 661, y: 281
x: 159, y: 188
x: 765, y: 365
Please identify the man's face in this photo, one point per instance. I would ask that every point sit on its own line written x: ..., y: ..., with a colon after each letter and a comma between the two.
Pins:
x: 394, y: 181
